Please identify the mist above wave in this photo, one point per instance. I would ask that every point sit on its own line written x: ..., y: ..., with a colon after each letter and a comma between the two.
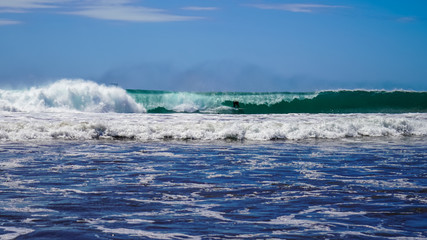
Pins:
x: 70, y: 95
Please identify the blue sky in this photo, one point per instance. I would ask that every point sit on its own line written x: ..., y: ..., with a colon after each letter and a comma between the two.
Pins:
x: 216, y: 45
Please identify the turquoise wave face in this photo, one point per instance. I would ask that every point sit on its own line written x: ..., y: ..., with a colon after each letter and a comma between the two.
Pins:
x: 343, y: 101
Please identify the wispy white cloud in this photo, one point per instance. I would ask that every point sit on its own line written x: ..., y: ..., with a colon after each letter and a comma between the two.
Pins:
x: 406, y: 19
x: 297, y: 7
x: 196, y: 8
x: 121, y: 12
x: 12, y: 11
x: 28, y: 4
x: 24, y: 6
x: 8, y: 22
x: 118, y: 10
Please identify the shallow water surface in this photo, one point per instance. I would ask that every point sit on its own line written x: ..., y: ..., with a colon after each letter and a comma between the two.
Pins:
x: 366, y: 188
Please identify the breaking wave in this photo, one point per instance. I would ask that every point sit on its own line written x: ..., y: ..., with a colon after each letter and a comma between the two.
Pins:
x: 87, y: 96
x: 70, y: 95
x: 342, y: 101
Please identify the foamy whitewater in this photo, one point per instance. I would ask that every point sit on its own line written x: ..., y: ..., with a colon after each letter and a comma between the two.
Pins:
x: 18, y: 126
x: 82, y: 160
x: 69, y: 96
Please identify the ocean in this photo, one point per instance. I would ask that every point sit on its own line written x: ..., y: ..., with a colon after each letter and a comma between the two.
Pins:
x: 82, y: 160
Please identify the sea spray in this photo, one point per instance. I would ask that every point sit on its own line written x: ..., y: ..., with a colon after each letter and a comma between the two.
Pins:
x: 70, y: 95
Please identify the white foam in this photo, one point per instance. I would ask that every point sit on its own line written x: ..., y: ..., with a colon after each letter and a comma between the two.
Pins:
x: 19, y: 126
x: 147, y: 234
x: 395, y: 183
x: 331, y: 212
x: 186, y: 107
x: 14, y: 232
x: 138, y: 221
x: 69, y: 95
x: 410, y: 238
x: 211, y: 214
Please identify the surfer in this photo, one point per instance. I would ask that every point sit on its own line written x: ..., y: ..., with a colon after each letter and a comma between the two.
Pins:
x: 236, y: 104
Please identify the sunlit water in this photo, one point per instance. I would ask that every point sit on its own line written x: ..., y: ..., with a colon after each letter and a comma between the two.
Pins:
x: 363, y: 188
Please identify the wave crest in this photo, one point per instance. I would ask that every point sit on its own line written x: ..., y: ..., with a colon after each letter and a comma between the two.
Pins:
x: 70, y: 95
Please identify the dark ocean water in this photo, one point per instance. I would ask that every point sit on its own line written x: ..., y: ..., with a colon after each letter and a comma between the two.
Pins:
x: 369, y: 188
